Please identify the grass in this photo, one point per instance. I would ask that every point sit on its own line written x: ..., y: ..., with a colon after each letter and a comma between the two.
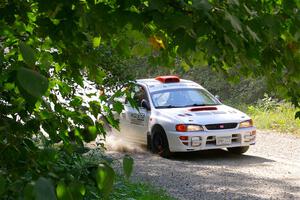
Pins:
x: 123, y: 188
x: 273, y: 116
x: 137, y: 191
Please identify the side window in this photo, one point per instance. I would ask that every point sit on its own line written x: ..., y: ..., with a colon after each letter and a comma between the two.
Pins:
x: 139, y: 95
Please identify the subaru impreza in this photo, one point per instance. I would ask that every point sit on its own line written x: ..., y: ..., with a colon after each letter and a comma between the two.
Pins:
x: 177, y: 115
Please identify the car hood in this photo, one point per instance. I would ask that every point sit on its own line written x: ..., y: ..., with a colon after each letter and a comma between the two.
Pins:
x: 199, y: 115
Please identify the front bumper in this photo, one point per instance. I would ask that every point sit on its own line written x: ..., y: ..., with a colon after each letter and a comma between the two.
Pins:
x: 208, y: 139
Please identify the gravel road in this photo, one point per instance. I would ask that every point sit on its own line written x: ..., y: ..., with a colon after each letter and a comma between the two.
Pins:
x: 269, y: 170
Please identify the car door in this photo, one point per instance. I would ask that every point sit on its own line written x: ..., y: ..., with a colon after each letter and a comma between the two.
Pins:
x: 135, y: 121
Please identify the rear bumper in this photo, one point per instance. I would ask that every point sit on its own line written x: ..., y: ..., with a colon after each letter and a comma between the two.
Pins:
x: 208, y: 139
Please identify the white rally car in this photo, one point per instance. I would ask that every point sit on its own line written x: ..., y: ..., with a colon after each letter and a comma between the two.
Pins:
x: 177, y: 115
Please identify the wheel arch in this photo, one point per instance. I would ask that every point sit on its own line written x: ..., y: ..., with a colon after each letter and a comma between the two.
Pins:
x: 157, y: 127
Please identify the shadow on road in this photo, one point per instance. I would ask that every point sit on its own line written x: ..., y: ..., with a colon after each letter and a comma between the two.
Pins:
x: 215, y: 174
x: 219, y: 155
x: 219, y: 174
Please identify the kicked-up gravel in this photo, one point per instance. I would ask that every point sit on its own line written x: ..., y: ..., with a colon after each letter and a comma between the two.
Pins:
x: 269, y: 170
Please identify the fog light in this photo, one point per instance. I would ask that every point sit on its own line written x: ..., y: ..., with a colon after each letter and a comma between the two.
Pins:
x: 184, y: 137
x: 196, y: 141
x: 250, y: 136
x: 185, y: 143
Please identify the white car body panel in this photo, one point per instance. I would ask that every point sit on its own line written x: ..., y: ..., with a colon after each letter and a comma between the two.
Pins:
x: 136, y: 124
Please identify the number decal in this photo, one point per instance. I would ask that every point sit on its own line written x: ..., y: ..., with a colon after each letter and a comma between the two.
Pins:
x: 137, y: 118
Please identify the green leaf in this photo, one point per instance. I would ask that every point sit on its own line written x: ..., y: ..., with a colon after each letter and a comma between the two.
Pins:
x: 28, y: 191
x: 127, y: 165
x: 105, y: 176
x: 201, y: 5
x: 92, y: 129
x: 297, y: 115
x: 58, y: 67
x: 95, y: 107
x: 157, y: 5
x: 253, y: 34
x: 74, y: 190
x: 118, y: 106
x: 112, y: 121
x: 76, y: 102
x: 185, y: 66
x: 9, y: 86
x: 236, y: 2
x: 124, y: 48
x: 235, y: 22
x: 77, y: 189
x: 96, y: 41
x: 44, y: 114
x: 141, y: 49
x: 179, y: 20
x: 44, y: 190
x: 97, y: 75
x: 89, y: 134
x: 45, y: 60
x: 27, y: 54
x: 32, y: 82
x: 62, y: 191
x: 64, y: 89
x: 2, y: 185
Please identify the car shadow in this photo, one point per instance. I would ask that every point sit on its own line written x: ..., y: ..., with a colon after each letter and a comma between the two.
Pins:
x: 212, y: 156
x: 219, y: 155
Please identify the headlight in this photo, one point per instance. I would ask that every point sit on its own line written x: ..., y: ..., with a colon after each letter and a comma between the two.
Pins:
x: 246, y: 124
x: 188, y: 127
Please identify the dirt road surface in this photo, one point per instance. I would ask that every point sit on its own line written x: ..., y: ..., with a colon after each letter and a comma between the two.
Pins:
x: 269, y: 170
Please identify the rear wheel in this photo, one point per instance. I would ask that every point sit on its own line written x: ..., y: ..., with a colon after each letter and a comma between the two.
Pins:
x: 238, y: 150
x: 160, y: 143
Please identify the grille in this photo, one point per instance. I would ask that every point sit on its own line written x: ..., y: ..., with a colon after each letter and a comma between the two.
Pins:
x: 221, y: 126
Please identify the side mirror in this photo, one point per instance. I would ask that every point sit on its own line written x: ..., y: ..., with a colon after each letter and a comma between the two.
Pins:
x: 145, y: 104
x: 218, y: 97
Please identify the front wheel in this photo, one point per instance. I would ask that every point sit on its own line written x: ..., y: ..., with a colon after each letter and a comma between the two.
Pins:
x: 160, y: 144
x: 238, y: 150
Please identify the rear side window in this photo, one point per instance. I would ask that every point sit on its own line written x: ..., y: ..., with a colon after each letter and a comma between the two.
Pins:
x: 139, y: 95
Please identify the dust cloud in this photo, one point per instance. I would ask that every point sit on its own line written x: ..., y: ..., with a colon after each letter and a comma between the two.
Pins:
x: 115, y: 142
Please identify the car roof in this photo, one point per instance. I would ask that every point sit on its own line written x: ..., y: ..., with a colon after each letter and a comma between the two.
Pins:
x: 155, y: 85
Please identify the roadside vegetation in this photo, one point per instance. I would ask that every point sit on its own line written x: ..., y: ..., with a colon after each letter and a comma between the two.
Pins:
x: 138, y: 191
x: 270, y: 114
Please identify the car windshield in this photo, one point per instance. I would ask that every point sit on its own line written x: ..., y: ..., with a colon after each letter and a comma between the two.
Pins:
x: 177, y: 98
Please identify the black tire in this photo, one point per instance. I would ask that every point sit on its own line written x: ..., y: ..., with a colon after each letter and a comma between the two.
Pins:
x: 238, y: 150
x: 160, y: 143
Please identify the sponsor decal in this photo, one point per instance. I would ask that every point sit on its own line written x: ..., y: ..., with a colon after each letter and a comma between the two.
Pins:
x: 137, y: 118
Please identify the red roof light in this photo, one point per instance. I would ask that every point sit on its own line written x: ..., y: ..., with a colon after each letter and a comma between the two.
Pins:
x: 168, y: 79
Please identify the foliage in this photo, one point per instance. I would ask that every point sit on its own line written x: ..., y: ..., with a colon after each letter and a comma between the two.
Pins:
x: 273, y: 115
x: 138, y: 191
x: 127, y: 166
x: 58, y: 174
x: 268, y: 103
x: 50, y: 49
